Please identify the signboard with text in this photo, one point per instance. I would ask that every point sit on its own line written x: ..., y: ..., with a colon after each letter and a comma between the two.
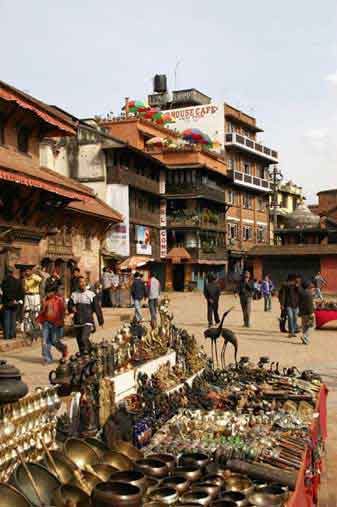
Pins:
x: 118, y: 240
x: 143, y: 240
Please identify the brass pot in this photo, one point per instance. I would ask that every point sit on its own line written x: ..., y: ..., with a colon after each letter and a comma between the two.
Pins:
x: 237, y: 497
x: 130, y: 477
x: 104, y: 471
x: 98, y: 446
x: 178, y: 482
x: 169, y: 459
x: 165, y: 495
x: 67, y: 494
x: 45, y: 482
x: 117, y: 460
x: 118, y: 494
x: 152, y: 467
x: 239, y: 483
x: 212, y: 489
x: 11, y: 497
x: 191, y: 472
x: 127, y: 449
x: 199, y: 496
x: 11, y: 386
x: 82, y: 454
x: 62, y: 375
x: 64, y: 466
x: 194, y: 458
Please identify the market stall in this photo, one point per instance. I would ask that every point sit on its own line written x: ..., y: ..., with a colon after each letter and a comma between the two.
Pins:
x: 144, y: 419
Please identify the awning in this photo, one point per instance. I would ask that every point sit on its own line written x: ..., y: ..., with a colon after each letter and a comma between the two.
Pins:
x: 134, y: 262
x: 178, y: 254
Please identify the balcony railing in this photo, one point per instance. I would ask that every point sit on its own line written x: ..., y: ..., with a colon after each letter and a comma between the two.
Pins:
x: 125, y: 176
x: 247, y: 180
x: 215, y: 223
x: 144, y: 217
x: 211, y: 253
x: 206, y: 191
x: 247, y: 144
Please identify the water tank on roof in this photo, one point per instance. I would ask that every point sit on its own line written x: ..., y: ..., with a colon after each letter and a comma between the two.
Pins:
x: 160, y: 83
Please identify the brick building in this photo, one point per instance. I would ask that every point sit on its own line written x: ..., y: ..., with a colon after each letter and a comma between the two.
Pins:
x: 44, y: 217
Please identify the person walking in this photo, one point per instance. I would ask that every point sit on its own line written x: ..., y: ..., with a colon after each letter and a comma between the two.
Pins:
x: 306, y: 310
x: 289, y: 300
x: 138, y: 293
x: 53, y: 283
x: 319, y: 282
x: 266, y: 289
x: 106, y: 287
x: 82, y: 305
x: 246, y: 292
x: 154, y: 293
x: 212, y: 294
x: 115, y: 289
x: 32, y: 283
x: 51, y: 318
x: 12, y: 294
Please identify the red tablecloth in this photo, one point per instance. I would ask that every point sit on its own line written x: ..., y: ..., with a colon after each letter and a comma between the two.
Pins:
x: 305, y: 495
x: 324, y: 316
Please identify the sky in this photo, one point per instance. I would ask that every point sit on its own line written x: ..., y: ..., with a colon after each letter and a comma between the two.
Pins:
x: 275, y: 60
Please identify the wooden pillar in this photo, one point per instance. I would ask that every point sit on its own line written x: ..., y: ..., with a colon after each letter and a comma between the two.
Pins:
x: 168, y: 275
x: 188, y: 275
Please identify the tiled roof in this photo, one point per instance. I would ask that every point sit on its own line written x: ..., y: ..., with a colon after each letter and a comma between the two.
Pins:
x: 96, y: 207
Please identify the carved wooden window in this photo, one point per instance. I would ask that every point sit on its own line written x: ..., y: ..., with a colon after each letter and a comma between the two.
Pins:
x: 23, y: 139
x: 2, y: 130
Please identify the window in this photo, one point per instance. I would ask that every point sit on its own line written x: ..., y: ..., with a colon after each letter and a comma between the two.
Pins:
x: 23, y: 139
x: 247, y: 232
x: 261, y: 233
x: 247, y: 168
x: 295, y: 202
x: 261, y: 204
x: 247, y: 201
x: 232, y: 231
x: 231, y: 164
x: 284, y: 201
x: 230, y: 127
x: 232, y: 197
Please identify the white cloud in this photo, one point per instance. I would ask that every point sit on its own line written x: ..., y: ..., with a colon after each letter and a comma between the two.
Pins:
x: 317, y: 134
x: 332, y: 78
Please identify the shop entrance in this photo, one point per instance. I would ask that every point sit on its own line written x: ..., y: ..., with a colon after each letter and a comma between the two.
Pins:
x: 178, y: 277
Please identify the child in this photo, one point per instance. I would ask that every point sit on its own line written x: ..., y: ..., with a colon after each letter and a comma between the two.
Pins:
x: 52, y: 319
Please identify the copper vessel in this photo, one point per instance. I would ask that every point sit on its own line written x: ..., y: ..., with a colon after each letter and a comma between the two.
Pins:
x: 117, y: 494
x: 212, y: 489
x: 198, y: 496
x: 178, y: 482
x: 104, y: 471
x: 237, y: 497
x: 169, y: 459
x: 194, y: 458
x: 165, y: 495
x: 117, y: 460
x: 131, y: 477
x: 239, y: 483
x: 152, y: 467
x: 191, y: 472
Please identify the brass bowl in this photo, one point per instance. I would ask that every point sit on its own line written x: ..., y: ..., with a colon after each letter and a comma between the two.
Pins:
x: 237, y: 497
x: 151, y: 484
x: 127, y: 449
x: 97, y: 445
x: 131, y: 477
x: 275, y: 489
x: 199, y: 496
x: 153, y: 504
x: 11, y: 497
x: 239, y: 483
x: 104, y: 472
x: 223, y: 503
x: 194, y: 458
x: 117, y: 460
x: 212, y: 489
x: 67, y: 494
x: 46, y: 483
x: 191, y: 472
x: 217, y: 469
x: 80, y: 453
x: 178, y: 482
x: 152, y: 467
x: 118, y: 494
x: 86, y: 482
x: 265, y: 500
x: 64, y: 466
x: 169, y: 459
x: 259, y: 484
x: 165, y: 495
x: 214, y: 479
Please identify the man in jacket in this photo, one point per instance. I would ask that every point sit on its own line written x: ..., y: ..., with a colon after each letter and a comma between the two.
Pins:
x: 138, y: 293
x: 246, y: 292
x: 154, y: 293
x: 212, y: 294
x: 289, y: 298
x: 51, y: 318
x: 82, y: 305
x: 306, y: 310
x: 266, y: 290
x: 12, y: 293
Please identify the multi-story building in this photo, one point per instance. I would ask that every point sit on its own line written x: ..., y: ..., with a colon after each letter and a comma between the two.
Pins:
x: 289, y: 196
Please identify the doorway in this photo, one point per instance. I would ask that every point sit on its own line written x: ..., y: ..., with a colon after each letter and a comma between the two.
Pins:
x: 179, y: 277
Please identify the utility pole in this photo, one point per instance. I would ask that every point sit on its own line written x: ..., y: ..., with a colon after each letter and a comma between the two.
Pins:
x: 277, y: 178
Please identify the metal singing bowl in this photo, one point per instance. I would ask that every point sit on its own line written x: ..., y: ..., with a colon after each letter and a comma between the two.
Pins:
x: 223, y: 503
x: 178, y: 482
x: 212, y: 489
x: 215, y: 469
x: 104, y: 471
x: 117, y: 494
x: 99, y: 447
x: 275, y: 489
x: 127, y: 449
x: 191, y: 472
x: 70, y: 495
x: 237, y: 497
x: 117, y: 460
x: 80, y: 453
x: 194, y: 458
x: 165, y: 495
x: 64, y: 466
x: 214, y: 479
x: 237, y: 483
x: 152, y: 467
x: 130, y: 477
x: 265, y: 500
x: 199, y: 496
x: 46, y: 483
x: 11, y: 497
x: 88, y: 482
x: 168, y: 459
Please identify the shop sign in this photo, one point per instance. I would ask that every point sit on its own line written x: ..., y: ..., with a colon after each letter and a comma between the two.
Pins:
x: 163, y: 243
x: 162, y: 182
x: 162, y: 213
x: 118, y: 240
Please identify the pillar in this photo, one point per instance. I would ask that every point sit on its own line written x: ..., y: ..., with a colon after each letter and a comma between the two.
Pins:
x: 188, y: 275
x: 168, y: 275
x: 258, y: 268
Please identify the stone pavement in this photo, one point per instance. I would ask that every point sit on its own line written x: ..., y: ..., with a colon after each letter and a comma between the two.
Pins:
x: 263, y: 338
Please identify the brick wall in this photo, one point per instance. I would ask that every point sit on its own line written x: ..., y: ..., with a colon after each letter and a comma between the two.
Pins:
x: 329, y: 272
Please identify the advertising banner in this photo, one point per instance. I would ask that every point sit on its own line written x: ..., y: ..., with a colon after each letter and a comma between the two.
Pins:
x: 118, y: 240
x: 143, y: 240
x: 208, y: 118
x: 163, y: 243
x: 162, y: 213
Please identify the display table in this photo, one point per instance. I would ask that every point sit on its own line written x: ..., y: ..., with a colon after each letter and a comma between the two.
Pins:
x: 325, y: 316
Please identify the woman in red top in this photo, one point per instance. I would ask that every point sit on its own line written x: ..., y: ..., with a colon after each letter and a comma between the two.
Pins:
x: 52, y: 319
